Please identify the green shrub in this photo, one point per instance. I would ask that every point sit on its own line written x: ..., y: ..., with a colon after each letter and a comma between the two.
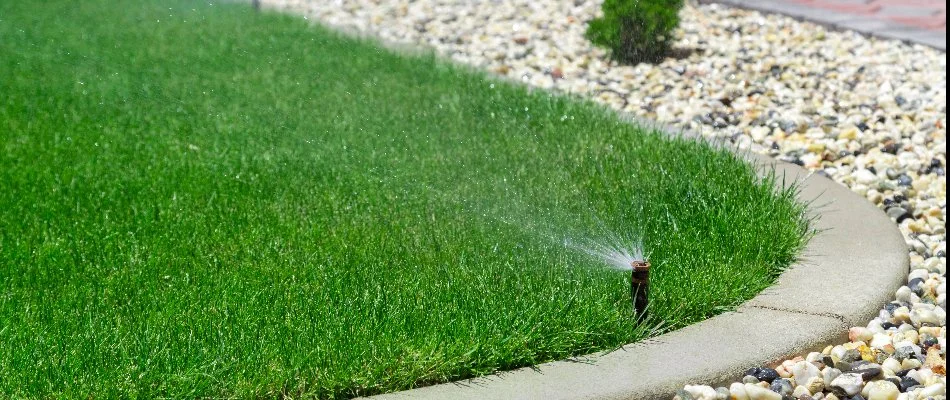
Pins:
x: 636, y: 30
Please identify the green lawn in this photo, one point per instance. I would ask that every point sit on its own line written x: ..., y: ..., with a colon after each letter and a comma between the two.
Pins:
x: 198, y: 200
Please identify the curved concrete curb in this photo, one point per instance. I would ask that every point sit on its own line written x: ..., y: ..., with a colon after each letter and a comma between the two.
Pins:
x: 811, y: 306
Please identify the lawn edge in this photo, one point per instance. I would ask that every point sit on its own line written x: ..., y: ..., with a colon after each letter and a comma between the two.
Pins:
x: 841, y: 280
x: 848, y: 271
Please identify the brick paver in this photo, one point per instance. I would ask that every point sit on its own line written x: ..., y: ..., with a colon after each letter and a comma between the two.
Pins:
x: 924, y: 14
x: 917, y: 21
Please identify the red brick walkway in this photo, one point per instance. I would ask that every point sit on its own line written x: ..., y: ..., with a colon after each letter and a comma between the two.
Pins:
x: 916, y: 21
x: 924, y: 14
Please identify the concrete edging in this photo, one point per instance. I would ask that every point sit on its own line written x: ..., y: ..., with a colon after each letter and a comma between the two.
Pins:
x: 811, y: 306
x: 867, y: 26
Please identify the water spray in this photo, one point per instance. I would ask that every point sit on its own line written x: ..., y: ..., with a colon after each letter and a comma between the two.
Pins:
x: 624, y: 258
x: 639, y: 286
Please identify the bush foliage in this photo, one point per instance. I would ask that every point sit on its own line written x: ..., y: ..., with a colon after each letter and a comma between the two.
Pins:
x: 636, y: 30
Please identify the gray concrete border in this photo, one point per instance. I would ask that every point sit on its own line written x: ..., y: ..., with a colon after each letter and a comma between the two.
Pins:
x: 840, y: 21
x: 848, y: 272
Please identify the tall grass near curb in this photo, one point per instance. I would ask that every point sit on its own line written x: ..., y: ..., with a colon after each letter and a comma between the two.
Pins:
x: 197, y: 200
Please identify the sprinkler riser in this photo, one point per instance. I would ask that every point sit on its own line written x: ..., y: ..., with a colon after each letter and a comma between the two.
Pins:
x: 640, y: 286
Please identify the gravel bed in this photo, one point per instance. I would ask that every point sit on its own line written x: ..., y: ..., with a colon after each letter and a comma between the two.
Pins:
x: 870, y: 114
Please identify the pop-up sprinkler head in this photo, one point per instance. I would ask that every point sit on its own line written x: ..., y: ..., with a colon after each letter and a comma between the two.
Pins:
x: 640, y: 286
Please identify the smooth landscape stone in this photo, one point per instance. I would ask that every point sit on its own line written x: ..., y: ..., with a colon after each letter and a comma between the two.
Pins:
x: 921, y: 317
x: 881, y: 340
x: 722, y: 393
x: 701, y: 392
x: 935, y: 389
x: 859, y: 333
x: 881, y: 390
x: 815, y: 385
x: 898, y: 213
x: 908, y: 383
x: 848, y: 384
x: 904, y: 294
x: 801, y: 391
x: 916, y: 285
x: 782, y: 386
x: 892, y: 364
x: 867, y: 370
x: 908, y: 349
x: 829, y: 374
x: 737, y: 391
x: 802, y: 371
x: 910, y: 363
x: 902, y: 315
x: 756, y: 392
x: 762, y: 374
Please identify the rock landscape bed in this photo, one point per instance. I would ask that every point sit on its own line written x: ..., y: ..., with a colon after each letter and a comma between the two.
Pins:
x: 867, y: 113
